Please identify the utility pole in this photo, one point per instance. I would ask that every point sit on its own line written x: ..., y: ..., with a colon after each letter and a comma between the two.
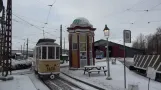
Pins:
x: 7, y: 40
x: 43, y: 34
x: 21, y: 49
x: 64, y: 45
x: 3, y: 43
x: 60, y: 41
x: 27, y: 49
x: 24, y: 50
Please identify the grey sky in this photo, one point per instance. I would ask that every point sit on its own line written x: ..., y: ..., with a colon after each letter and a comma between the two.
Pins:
x: 114, y: 13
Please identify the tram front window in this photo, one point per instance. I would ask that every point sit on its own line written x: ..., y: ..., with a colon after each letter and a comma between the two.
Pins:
x: 57, y: 52
x: 44, y: 52
x: 51, y: 52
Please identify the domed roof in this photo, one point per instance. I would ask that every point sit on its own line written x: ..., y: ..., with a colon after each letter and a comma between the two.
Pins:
x: 82, y: 22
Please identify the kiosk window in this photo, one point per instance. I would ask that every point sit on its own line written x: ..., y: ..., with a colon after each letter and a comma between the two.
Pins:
x: 57, y: 52
x: 51, y: 52
x: 74, y: 46
x: 44, y: 52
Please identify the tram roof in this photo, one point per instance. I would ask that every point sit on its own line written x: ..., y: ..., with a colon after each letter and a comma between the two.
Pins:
x: 46, y: 41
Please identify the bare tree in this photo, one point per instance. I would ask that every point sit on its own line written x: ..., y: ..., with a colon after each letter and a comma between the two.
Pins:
x: 150, y: 43
x: 140, y: 42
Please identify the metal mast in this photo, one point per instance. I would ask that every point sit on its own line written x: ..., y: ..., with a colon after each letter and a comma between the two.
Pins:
x: 7, y: 40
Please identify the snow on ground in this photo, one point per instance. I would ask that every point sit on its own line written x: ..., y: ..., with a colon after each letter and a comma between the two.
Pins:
x: 20, y: 82
x: 120, y: 59
x: 23, y: 80
x: 38, y: 84
x: 64, y: 64
x: 82, y: 85
x: 126, y: 59
x: 117, y: 74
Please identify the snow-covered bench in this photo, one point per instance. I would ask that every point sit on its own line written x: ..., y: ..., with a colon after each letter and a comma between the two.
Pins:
x: 91, y: 69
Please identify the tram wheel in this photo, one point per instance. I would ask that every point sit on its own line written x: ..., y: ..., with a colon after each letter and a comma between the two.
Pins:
x: 52, y: 76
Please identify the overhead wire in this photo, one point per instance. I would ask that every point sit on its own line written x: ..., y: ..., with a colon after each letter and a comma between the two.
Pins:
x: 145, y: 11
x: 46, y: 22
x: 32, y: 24
x: 28, y: 18
x: 54, y: 30
x: 128, y: 9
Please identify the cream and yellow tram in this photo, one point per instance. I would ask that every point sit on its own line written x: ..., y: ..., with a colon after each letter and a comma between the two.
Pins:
x: 47, y: 58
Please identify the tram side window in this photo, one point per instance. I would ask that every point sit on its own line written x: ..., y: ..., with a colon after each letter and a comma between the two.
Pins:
x: 44, y: 52
x: 57, y: 52
x: 38, y: 52
x: 39, y: 55
x: 51, y: 52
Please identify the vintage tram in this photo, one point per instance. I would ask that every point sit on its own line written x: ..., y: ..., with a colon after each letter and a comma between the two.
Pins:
x: 47, y: 58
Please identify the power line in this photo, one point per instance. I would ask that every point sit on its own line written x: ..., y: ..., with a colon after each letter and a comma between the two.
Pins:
x: 31, y: 24
x: 31, y: 19
x: 145, y: 12
x: 112, y: 14
x: 36, y: 25
x: 155, y: 6
x: 49, y: 13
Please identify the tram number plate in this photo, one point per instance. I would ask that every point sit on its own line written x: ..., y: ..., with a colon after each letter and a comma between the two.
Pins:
x: 50, y: 68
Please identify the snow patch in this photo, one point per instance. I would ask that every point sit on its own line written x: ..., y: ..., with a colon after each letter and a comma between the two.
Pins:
x: 117, y: 74
x: 20, y: 82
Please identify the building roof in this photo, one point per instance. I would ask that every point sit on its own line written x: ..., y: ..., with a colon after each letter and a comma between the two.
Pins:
x: 46, y: 41
x: 103, y: 42
x: 82, y: 22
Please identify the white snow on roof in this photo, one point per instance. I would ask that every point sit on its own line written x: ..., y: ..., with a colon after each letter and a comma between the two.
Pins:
x: 81, y: 21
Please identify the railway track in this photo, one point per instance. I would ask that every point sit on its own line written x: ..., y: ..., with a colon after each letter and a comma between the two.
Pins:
x: 61, y: 84
x: 67, y: 83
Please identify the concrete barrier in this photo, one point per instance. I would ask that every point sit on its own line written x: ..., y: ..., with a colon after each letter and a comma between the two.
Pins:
x: 144, y: 61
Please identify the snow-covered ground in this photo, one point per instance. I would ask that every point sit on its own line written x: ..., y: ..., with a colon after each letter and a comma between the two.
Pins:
x: 117, y: 74
x: 120, y: 59
x: 64, y: 64
x: 23, y: 82
x: 81, y: 85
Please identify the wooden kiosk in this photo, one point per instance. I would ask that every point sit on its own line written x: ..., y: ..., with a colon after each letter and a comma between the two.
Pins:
x: 81, y: 43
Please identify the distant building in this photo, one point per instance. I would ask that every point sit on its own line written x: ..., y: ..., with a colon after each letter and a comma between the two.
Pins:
x: 115, y: 50
x: 65, y: 51
x: 30, y: 53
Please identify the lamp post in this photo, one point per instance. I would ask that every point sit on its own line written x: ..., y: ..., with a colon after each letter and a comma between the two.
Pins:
x: 106, y: 34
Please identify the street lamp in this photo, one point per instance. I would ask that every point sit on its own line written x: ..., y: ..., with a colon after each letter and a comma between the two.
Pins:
x: 107, y: 34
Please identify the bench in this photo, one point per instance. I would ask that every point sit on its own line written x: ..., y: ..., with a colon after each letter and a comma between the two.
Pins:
x: 90, y: 71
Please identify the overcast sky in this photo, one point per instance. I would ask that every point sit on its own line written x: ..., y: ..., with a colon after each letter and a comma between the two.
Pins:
x: 114, y: 13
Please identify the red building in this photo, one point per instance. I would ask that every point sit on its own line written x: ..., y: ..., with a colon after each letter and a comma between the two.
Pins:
x: 115, y: 50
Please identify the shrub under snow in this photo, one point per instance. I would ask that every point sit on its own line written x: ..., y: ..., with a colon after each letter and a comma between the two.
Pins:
x: 21, y: 64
